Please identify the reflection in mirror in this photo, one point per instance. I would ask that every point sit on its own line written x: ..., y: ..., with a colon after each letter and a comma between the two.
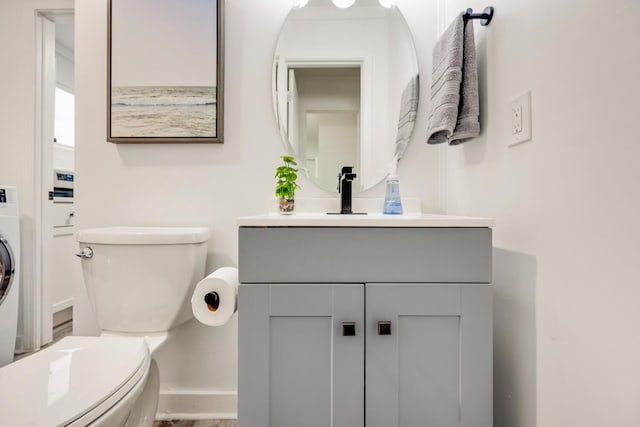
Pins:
x: 329, y: 98
x: 345, y: 90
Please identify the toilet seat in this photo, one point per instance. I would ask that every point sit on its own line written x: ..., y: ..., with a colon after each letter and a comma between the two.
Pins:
x: 73, y: 382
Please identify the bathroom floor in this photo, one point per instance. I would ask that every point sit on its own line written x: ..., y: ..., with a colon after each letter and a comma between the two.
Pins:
x: 197, y: 423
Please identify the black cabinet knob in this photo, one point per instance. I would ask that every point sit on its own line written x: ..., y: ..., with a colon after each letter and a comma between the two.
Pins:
x: 348, y: 329
x: 384, y: 327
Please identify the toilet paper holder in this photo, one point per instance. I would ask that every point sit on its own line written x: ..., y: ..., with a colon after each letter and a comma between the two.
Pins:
x: 212, y: 299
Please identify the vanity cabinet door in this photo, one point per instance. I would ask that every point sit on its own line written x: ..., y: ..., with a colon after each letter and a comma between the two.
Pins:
x: 299, y: 366
x: 432, y: 365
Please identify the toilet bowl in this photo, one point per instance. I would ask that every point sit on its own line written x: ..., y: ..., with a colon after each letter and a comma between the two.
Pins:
x: 139, y: 281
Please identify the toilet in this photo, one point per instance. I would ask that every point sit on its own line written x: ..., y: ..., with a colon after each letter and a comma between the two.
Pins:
x: 139, y: 281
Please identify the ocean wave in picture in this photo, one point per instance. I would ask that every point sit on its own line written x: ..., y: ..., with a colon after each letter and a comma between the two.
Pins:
x: 163, y: 111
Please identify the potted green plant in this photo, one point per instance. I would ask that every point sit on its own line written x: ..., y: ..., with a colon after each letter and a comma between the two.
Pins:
x: 286, y: 185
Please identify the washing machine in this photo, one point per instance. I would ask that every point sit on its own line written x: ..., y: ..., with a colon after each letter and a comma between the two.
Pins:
x: 9, y: 272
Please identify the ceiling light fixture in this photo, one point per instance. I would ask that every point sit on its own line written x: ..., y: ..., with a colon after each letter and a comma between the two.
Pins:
x: 299, y: 4
x: 343, y: 4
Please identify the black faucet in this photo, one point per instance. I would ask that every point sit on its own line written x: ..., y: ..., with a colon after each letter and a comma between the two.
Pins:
x: 345, y: 178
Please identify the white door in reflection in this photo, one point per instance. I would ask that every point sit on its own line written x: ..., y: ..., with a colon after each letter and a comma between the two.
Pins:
x: 331, y: 142
x: 323, y: 114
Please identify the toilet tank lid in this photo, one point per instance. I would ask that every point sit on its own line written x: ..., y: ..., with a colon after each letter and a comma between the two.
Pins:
x: 144, y: 235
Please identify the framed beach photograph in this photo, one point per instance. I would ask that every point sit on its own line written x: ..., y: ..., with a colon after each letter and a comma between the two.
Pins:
x: 165, y: 71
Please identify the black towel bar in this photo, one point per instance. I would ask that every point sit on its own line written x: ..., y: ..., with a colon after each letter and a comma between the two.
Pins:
x: 485, y: 16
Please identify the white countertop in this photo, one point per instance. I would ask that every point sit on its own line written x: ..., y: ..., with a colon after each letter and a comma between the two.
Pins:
x: 369, y: 220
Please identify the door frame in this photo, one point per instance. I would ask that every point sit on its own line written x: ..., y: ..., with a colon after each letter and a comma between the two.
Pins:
x: 37, y: 310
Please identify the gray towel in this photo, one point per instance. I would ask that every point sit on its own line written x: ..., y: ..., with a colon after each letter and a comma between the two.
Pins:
x: 408, y: 113
x: 454, y: 89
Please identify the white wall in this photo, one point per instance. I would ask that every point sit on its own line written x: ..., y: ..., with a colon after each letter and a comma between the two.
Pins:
x: 17, y: 113
x: 211, y: 185
x: 566, y: 206
x: 64, y: 68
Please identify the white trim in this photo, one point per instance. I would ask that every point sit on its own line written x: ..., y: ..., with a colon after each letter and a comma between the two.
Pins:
x: 197, y: 405
x: 44, y: 179
x: 441, y: 25
x: 37, y: 315
x: 32, y: 302
x: 64, y: 304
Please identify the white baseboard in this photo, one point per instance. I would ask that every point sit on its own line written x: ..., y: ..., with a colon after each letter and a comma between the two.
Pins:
x: 197, y: 405
x: 62, y: 305
x: 62, y: 316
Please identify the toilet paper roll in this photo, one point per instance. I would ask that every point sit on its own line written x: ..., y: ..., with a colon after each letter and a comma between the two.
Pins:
x: 215, y: 298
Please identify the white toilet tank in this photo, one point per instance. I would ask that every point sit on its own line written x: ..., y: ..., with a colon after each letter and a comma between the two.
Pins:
x: 140, y: 279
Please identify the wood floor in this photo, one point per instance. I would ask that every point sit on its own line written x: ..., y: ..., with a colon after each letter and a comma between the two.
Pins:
x: 197, y: 423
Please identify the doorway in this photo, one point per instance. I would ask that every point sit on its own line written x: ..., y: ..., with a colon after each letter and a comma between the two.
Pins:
x: 323, y: 114
x: 50, y: 308
x: 63, y: 229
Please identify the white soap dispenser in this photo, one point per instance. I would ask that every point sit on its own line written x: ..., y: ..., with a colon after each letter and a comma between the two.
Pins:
x: 392, y: 201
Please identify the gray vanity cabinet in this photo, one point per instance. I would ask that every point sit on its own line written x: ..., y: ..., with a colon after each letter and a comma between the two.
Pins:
x: 296, y: 367
x: 420, y: 351
x: 434, y: 369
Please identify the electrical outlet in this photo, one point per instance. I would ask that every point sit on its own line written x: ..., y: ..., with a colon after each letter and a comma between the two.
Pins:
x: 516, y: 118
x: 520, y: 119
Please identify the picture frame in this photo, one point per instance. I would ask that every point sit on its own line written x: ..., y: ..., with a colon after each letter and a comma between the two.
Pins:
x: 165, y: 77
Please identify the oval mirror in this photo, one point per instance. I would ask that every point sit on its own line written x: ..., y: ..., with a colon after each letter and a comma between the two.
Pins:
x: 345, y: 89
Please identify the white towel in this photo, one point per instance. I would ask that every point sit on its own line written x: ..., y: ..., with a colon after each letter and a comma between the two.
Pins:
x: 408, y: 113
x: 454, y: 88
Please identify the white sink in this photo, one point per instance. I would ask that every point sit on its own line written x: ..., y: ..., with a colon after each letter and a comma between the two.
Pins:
x: 312, y: 212
x: 370, y: 220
